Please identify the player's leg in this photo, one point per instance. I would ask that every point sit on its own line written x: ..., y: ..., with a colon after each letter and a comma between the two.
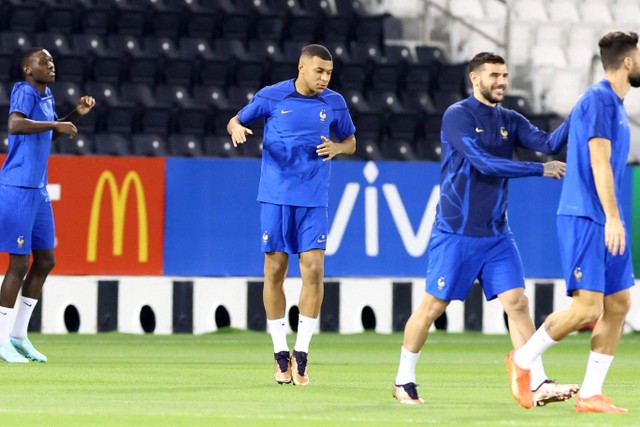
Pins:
x: 276, y: 263
x: 43, y: 242
x: 17, y: 215
x: 604, y: 341
x: 606, y: 334
x: 416, y: 333
x: 275, y: 271
x: 311, y: 229
x: 311, y: 295
x: 11, y: 284
x: 43, y: 263
x: 454, y: 264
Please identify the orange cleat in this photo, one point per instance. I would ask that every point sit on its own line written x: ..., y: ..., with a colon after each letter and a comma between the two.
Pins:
x: 299, y: 368
x: 407, y: 394
x: 520, y: 382
x: 282, y: 368
x: 598, y: 403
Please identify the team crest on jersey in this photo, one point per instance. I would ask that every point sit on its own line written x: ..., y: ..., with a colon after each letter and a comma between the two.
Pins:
x: 323, y: 115
x: 265, y: 238
x: 577, y: 273
x: 20, y: 241
x: 504, y: 133
x: 441, y: 283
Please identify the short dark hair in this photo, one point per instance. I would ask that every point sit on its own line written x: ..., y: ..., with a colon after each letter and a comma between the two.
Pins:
x: 24, y: 59
x: 484, y: 58
x: 615, y: 46
x: 316, y: 50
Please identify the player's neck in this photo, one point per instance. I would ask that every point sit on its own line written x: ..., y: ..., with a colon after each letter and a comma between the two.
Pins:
x: 619, y: 81
x: 301, y: 88
x: 40, y: 87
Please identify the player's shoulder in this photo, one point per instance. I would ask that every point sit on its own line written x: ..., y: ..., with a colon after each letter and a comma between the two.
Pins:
x: 23, y: 87
x: 333, y: 98
x: 464, y: 107
x: 277, y: 91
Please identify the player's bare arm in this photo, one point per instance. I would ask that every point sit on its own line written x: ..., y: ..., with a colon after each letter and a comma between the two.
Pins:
x: 19, y: 124
x: 66, y: 124
x: 600, y: 153
x: 329, y: 149
x: 237, y: 131
x: 554, y: 169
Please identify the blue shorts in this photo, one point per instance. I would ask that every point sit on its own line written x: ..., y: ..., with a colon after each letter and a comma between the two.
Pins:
x: 293, y: 229
x: 586, y: 262
x: 26, y: 220
x: 456, y: 261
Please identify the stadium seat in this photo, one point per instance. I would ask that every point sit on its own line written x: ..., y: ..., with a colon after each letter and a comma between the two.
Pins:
x: 369, y: 125
x: 356, y: 101
x: 240, y: 96
x: 517, y: 100
x: 220, y: 146
x: 252, y: 148
x: 444, y: 99
x: 301, y: 28
x: 369, y: 29
x: 145, y: 144
x: 384, y: 100
x: 428, y: 149
x: 96, y: 18
x: 418, y: 100
x: 80, y: 145
x: 563, y: 11
x: 270, y: 27
x: 213, y: 96
x: 403, y: 125
x: 71, y: 68
x: 337, y: 29
x: 385, y: 76
x: 367, y: 149
x: 4, y: 142
x: 352, y: 76
x: 111, y: 144
x: 184, y: 145
x: 249, y: 73
x: 22, y: 16
x: 166, y: 20
x: 365, y: 52
x: 56, y: 43
x: 398, y: 149
x: 59, y: 17
x: 130, y: 19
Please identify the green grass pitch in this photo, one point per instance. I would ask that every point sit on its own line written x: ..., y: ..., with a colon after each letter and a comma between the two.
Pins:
x: 226, y: 379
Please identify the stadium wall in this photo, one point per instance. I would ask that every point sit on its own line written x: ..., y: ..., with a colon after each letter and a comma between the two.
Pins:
x: 171, y: 239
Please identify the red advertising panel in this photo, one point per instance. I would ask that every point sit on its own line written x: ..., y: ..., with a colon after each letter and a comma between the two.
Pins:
x: 109, y: 214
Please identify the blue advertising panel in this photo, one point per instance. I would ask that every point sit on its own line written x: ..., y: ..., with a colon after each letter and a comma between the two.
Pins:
x: 380, y: 217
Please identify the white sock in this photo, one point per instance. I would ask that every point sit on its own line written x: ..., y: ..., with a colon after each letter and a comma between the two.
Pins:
x: 278, y: 331
x: 538, y: 375
x: 539, y: 342
x: 5, y: 318
x: 306, y: 328
x: 407, y: 369
x: 23, y: 315
x: 597, y: 368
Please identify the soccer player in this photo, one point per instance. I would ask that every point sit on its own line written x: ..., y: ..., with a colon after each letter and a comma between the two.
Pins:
x: 471, y: 238
x: 299, y: 116
x: 26, y: 217
x: 596, y: 261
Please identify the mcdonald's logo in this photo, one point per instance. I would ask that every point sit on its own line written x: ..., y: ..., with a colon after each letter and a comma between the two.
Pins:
x: 119, y: 196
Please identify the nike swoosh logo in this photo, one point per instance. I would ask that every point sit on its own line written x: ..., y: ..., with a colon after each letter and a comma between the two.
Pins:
x: 321, y: 241
x: 285, y: 111
x: 4, y: 314
x: 479, y: 130
x: 27, y: 304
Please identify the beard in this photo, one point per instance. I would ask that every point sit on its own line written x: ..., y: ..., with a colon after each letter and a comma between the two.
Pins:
x: 634, y: 80
x: 486, y: 92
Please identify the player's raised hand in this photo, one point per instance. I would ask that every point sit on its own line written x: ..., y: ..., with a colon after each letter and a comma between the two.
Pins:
x: 85, y: 104
x: 554, y: 169
x: 239, y: 135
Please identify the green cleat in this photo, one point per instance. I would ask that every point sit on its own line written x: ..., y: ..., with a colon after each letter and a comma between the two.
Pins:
x: 9, y: 354
x: 25, y: 348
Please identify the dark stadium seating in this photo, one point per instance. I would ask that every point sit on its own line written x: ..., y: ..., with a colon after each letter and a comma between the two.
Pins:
x: 168, y: 73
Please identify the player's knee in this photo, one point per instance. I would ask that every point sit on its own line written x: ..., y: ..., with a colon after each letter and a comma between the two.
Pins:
x: 588, y: 313
x: 619, y: 307
x: 45, y: 264
x: 275, y: 269
x: 517, y: 304
x: 18, y: 266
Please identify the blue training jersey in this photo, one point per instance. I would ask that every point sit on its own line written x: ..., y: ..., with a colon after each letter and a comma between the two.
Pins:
x: 26, y: 163
x: 477, y: 150
x: 292, y: 173
x: 600, y: 113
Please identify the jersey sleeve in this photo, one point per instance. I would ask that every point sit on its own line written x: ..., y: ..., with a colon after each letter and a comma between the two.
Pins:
x: 458, y: 129
x: 343, y: 125
x: 21, y: 101
x: 259, y: 106
x: 532, y: 138
x: 596, y: 117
